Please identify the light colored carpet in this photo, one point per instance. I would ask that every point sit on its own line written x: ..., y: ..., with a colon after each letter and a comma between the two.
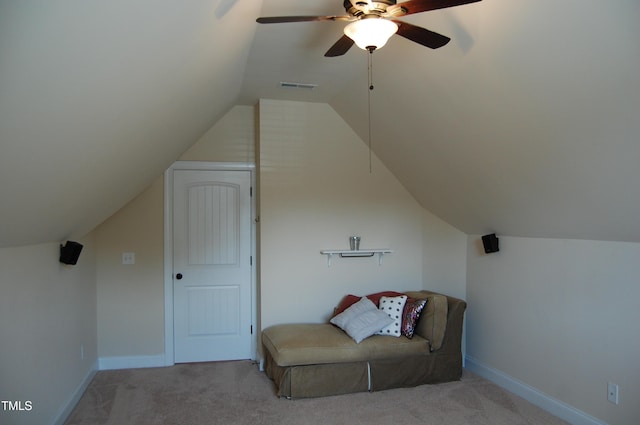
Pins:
x: 238, y: 393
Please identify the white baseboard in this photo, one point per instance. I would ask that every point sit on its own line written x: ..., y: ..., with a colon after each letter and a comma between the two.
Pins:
x: 131, y: 362
x: 68, y: 407
x: 531, y: 394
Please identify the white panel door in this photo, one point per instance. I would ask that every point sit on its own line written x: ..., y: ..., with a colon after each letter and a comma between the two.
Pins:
x: 211, y: 265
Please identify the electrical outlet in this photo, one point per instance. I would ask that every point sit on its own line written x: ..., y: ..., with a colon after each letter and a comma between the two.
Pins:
x: 128, y: 258
x: 612, y: 392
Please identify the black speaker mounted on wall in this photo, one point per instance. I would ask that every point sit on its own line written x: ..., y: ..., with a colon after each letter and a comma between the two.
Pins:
x: 70, y: 252
x: 490, y: 243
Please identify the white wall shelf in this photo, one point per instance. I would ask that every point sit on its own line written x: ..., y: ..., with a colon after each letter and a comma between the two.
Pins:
x: 347, y: 253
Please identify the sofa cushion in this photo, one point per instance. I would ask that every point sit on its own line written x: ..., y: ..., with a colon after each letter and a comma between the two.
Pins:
x: 351, y: 299
x: 362, y: 320
x: 410, y: 315
x: 321, y: 343
x: 393, y: 306
x: 355, y: 309
x: 367, y: 324
x: 433, y: 319
x: 346, y: 302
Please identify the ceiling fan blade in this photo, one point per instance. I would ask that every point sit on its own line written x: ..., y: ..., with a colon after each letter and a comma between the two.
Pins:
x: 417, y: 6
x: 421, y: 35
x: 340, y: 47
x: 285, y: 19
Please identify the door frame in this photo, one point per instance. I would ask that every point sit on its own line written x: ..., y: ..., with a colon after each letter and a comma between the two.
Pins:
x: 169, y: 353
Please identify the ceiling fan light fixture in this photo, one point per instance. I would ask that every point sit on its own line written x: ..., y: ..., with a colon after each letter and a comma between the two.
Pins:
x: 371, y: 33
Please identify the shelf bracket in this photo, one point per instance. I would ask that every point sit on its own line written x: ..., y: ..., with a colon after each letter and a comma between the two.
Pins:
x: 329, y: 257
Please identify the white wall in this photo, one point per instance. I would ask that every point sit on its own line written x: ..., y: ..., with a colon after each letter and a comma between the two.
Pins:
x: 131, y: 297
x: 444, y: 257
x: 316, y: 191
x: 47, y: 313
x: 560, y: 316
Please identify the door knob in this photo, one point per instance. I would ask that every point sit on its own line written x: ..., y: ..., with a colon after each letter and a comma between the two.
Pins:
x: 179, y: 276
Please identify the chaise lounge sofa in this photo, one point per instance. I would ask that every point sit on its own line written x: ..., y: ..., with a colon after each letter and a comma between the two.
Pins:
x: 316, y: 360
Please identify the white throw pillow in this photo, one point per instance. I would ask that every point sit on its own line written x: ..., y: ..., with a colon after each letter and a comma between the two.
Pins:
x: 361, y: 320
x: 367, y: 324
x: 341, y: 320
x: 393, y: 306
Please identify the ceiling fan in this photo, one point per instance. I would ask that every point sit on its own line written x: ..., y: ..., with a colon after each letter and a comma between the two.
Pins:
x: 372, y: 23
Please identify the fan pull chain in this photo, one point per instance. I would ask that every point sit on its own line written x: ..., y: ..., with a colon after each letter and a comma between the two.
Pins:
x: 370, y: 75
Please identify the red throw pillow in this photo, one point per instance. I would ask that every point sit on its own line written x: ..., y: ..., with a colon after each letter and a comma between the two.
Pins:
x: 350, y: 299
x: 346, y: 302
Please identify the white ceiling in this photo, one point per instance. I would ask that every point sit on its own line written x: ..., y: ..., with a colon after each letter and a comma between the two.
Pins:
x: 527, y: 123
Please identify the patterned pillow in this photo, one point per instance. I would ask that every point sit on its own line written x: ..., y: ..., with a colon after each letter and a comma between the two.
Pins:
x: 410, y: 316
x: 393, y: 306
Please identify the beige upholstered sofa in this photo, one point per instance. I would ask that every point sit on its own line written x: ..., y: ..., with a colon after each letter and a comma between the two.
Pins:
x: 315, y: 360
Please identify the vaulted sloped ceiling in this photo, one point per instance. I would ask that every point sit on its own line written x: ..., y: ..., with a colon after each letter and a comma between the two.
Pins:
x: 527, y: 123
x: 97, y: 98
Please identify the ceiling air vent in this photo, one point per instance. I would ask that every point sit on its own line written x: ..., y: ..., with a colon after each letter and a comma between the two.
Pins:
x: 289, y: 85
